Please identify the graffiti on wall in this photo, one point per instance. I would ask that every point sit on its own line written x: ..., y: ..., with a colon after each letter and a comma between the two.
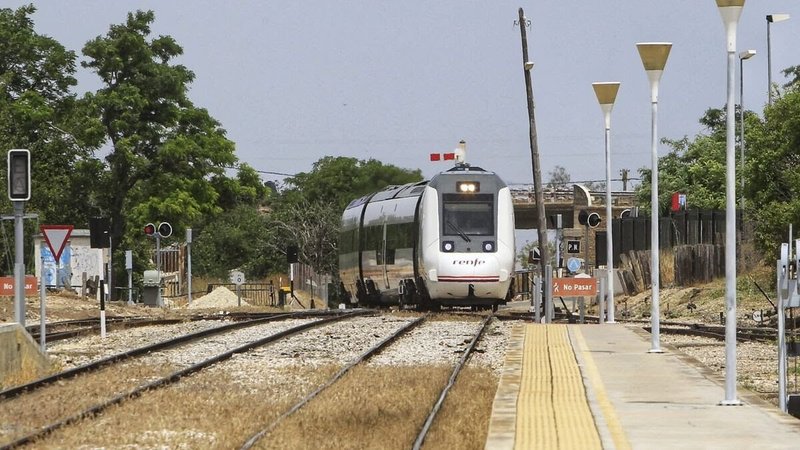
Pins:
x: 57, y: 274
x: 73, y: 263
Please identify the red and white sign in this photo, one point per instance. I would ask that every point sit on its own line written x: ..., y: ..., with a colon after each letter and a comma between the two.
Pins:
x: 574, y: 287
x: 56, y: 237
x: 7, y: 285
x: 447, y: 156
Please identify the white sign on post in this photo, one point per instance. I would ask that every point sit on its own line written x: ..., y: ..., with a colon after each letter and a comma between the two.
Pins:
x: 237, y: 277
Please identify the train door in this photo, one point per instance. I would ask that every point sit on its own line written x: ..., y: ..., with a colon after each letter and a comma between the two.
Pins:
x: 384, y: 258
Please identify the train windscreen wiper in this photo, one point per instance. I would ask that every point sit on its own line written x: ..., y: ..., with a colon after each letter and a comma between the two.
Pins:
x: 459, y: 231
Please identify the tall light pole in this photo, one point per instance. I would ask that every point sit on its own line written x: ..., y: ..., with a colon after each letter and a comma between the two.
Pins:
x: 747, y: 54
x: 606, y: 94
x: 730, y: 10
x: 654, y: 57
x: 770, y: 19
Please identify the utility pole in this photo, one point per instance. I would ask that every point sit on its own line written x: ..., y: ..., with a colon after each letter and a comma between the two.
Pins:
x: 624, y: 173
x: 537, y: 172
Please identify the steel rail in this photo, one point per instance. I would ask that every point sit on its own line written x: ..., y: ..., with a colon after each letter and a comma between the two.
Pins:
x: 253, y: 439
x: 456, y: 370
x: 174, y: 377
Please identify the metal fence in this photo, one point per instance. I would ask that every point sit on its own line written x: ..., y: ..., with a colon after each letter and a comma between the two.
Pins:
x: 681, y: 228
x: 258, y: 294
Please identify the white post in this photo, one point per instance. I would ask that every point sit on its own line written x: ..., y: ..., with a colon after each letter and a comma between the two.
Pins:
x: 42, y: 308
x: 129, y: 268
x: 730, y: 12
x: 609, y: 223
x: 782, y: 273
x: 189, y: 263
x: 654, y: 57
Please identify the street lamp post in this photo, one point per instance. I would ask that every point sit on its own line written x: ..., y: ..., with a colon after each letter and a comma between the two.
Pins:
x: 654, y: 57
x: 606, y: 94
x: 730, y: 10
x: 770, y: 19
x: 747, y: 54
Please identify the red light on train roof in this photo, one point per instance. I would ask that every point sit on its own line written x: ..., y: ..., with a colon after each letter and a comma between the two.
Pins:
x: 435, y: 157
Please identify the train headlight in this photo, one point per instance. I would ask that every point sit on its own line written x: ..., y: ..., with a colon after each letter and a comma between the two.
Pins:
x: 488, y: 246
x: 448, y: 246
x: 468, y: 187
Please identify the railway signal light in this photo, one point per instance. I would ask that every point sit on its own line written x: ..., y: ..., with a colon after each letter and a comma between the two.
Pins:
x: 593, y: 220
x: 165, y: 229
x: 291, y: 254
x: 585, y: 218
x: 19, y: 175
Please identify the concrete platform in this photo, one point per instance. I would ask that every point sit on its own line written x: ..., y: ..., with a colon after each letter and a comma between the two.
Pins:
x: 20, y: 356
x: 596, y: 386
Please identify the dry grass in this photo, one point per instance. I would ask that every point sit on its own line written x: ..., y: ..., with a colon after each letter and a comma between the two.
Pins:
x: 211, y: 410
x: 704, y: 303
x: 463, y: 422
x: 66, y: 398
x: 372, y: 407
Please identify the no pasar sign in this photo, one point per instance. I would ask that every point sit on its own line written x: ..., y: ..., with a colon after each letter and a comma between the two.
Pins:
x: 574, y: 287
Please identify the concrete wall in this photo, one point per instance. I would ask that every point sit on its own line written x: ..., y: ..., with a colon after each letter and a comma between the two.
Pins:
x: 21, y: 360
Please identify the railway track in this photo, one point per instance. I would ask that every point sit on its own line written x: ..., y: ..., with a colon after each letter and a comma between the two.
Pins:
x: 363, y: 359
x: 58, y: 331
x: 37, y: 428
x: 163, y: 345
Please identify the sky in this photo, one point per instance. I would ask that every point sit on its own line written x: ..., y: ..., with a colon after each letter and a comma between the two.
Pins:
x: 292, y: 82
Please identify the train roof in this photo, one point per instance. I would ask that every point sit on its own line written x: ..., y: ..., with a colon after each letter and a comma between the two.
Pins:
x: 465, y: 169
x: 415, y: 189
x: 391, y: 192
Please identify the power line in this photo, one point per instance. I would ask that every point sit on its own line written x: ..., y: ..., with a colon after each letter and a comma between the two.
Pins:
x: 238, y: 167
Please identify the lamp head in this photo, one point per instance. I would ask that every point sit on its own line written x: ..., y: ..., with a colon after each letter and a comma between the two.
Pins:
x: 747, y: 54
x: 654, y: 54
x: 606, y: 92
x: 528, y: 65
x: 729, y: 3
x: 777, y: 17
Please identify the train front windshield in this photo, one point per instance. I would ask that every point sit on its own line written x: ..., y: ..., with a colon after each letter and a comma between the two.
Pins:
x: 468, y: 214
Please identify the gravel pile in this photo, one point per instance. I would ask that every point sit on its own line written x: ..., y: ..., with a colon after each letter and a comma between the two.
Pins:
x: 221, y: 297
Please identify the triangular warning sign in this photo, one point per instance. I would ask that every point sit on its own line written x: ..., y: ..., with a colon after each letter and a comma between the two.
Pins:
x: 56, y: 237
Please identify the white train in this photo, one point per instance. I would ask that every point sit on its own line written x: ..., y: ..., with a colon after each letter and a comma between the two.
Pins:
x: 444, y: 242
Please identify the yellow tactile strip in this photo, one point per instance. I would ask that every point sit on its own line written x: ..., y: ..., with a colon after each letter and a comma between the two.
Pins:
x: 552, y: 409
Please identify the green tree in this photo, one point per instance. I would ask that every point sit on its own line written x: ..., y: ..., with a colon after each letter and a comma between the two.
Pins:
x: 236, y: 240
x: 693, y: 167
x: 339, y: 180
x: 309, y: 211
x: 39, y: 113
x: 164, y: 150
x: 772, y: 166
x: 559, y: 178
